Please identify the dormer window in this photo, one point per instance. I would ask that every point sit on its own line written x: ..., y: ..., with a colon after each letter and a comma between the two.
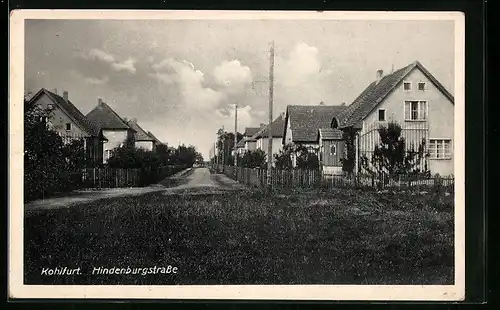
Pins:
x: 421, y: 86
x: 406, y: 86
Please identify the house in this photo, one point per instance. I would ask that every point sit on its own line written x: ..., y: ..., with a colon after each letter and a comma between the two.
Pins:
x: 251, y: 143
x: 262, y: 136
x: 70, y: 123
x: 142, y: 139
x: 155, y: 139
x: 331, y: 150
x: 240, y: 146
x: 415, y: 99
x: 112, y: 126
x: 303, y: 122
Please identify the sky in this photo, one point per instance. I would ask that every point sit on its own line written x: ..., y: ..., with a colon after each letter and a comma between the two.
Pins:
x: 181, y: 78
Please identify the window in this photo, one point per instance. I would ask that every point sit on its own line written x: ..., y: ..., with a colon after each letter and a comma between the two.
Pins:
x: 407, y: 86
x: 440, y: 148
x: 415, y: 110
x: 68, y: 126
x: 333, y: 150
x: 381, y: 115
x: 107, y: 154
x: 421, y: 86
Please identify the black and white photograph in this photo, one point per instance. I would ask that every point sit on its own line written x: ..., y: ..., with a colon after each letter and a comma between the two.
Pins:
x: 237, y: 155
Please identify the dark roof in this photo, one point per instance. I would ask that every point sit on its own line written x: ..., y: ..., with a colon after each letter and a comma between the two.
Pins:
x: 306, y: 120
x: 277, y: 127
x: 241, y: 143
x: 106, y: 118
x: 376, y: 92
x: 72, y: 112
x: 250, y: 131
x: 154, y: 138
x: 140, y: 134
x: 330, y: 134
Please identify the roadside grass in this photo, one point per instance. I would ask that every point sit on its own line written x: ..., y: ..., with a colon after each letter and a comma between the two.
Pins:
x: 248, y: 237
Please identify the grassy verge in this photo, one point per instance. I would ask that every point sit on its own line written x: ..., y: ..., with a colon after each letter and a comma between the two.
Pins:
x: 344, y: 237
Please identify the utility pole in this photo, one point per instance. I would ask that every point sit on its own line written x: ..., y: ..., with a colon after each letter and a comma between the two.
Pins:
x: 235, y: 135
x: 269, y: 131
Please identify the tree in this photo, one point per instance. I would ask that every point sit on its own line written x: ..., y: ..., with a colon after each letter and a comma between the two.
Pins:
x: 349, y: 158
x: 393, y: 157
x: 45, y: 164
x: 304, y: 159
x: 225, y: 145
x: 283, y: 159
x: 253, y: 159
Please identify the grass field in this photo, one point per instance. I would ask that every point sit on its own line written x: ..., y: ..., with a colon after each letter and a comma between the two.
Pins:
x: 344, y: 237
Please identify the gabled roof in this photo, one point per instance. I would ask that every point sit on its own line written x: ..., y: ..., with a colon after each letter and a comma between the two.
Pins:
x: 276, y: 129
x: 106, y: 118
x: 241, y: 143
x: 140, y: 134
x: 306, y: 120
x: 70, y: 110
x: 377, y: 92
x: 329, y: 134
x: 155, y: 139
x: 250, y: 131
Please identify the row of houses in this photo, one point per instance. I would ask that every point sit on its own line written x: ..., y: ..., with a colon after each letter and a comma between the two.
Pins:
x: 102, y: 129
x: 410, y: 96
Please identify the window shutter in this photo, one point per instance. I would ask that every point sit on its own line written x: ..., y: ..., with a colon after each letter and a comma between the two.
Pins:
x: 423, y: 110
x: 407, y: 109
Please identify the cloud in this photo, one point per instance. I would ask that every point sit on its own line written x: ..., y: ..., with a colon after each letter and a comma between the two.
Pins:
x: 232, y: 76
x: 96, y: 81
x: 102, y: 56
x: 190, y: 83
x: 299, y: 67
x: 97, y: 54
x: 127, y: 65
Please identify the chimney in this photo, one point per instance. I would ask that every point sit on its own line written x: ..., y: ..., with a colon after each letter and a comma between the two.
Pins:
x: 343, y: 104
x: 321, y: 103
x: 55, y: 91
x: 99, y: 101
x: 134, y: 120
x: 380, y: 74
x: 65, y: 95
x: 125, y: 119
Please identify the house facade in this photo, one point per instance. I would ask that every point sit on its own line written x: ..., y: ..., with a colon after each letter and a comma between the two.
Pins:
x: 142, y: 139
x: 418, y: 102
x: 249, y: 141
x: 112, y: 126
x: 302, y: 124
x: 67, y: 120
x: 262, y: 136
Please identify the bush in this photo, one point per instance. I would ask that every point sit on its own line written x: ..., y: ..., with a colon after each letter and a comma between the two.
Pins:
x: 253, y: 159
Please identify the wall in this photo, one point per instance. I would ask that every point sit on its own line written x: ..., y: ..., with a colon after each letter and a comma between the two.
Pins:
x: 250, y: 145
x: 115, y: 139
x: 439, y: 121
x: 288, y: 135
x: 262, y: 144
x: 147, y: 145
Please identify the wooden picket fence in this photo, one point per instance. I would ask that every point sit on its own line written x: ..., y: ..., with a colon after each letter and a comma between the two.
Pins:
x: 297, y: 178
x: 105, y: 177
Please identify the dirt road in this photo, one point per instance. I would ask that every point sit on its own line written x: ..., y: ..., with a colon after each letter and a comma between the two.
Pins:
x: 199, y: 181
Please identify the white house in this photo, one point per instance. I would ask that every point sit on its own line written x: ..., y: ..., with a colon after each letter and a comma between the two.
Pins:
x: 413, y: 98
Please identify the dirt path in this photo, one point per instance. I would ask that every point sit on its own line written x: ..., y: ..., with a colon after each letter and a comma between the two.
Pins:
x: 200, y: 180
